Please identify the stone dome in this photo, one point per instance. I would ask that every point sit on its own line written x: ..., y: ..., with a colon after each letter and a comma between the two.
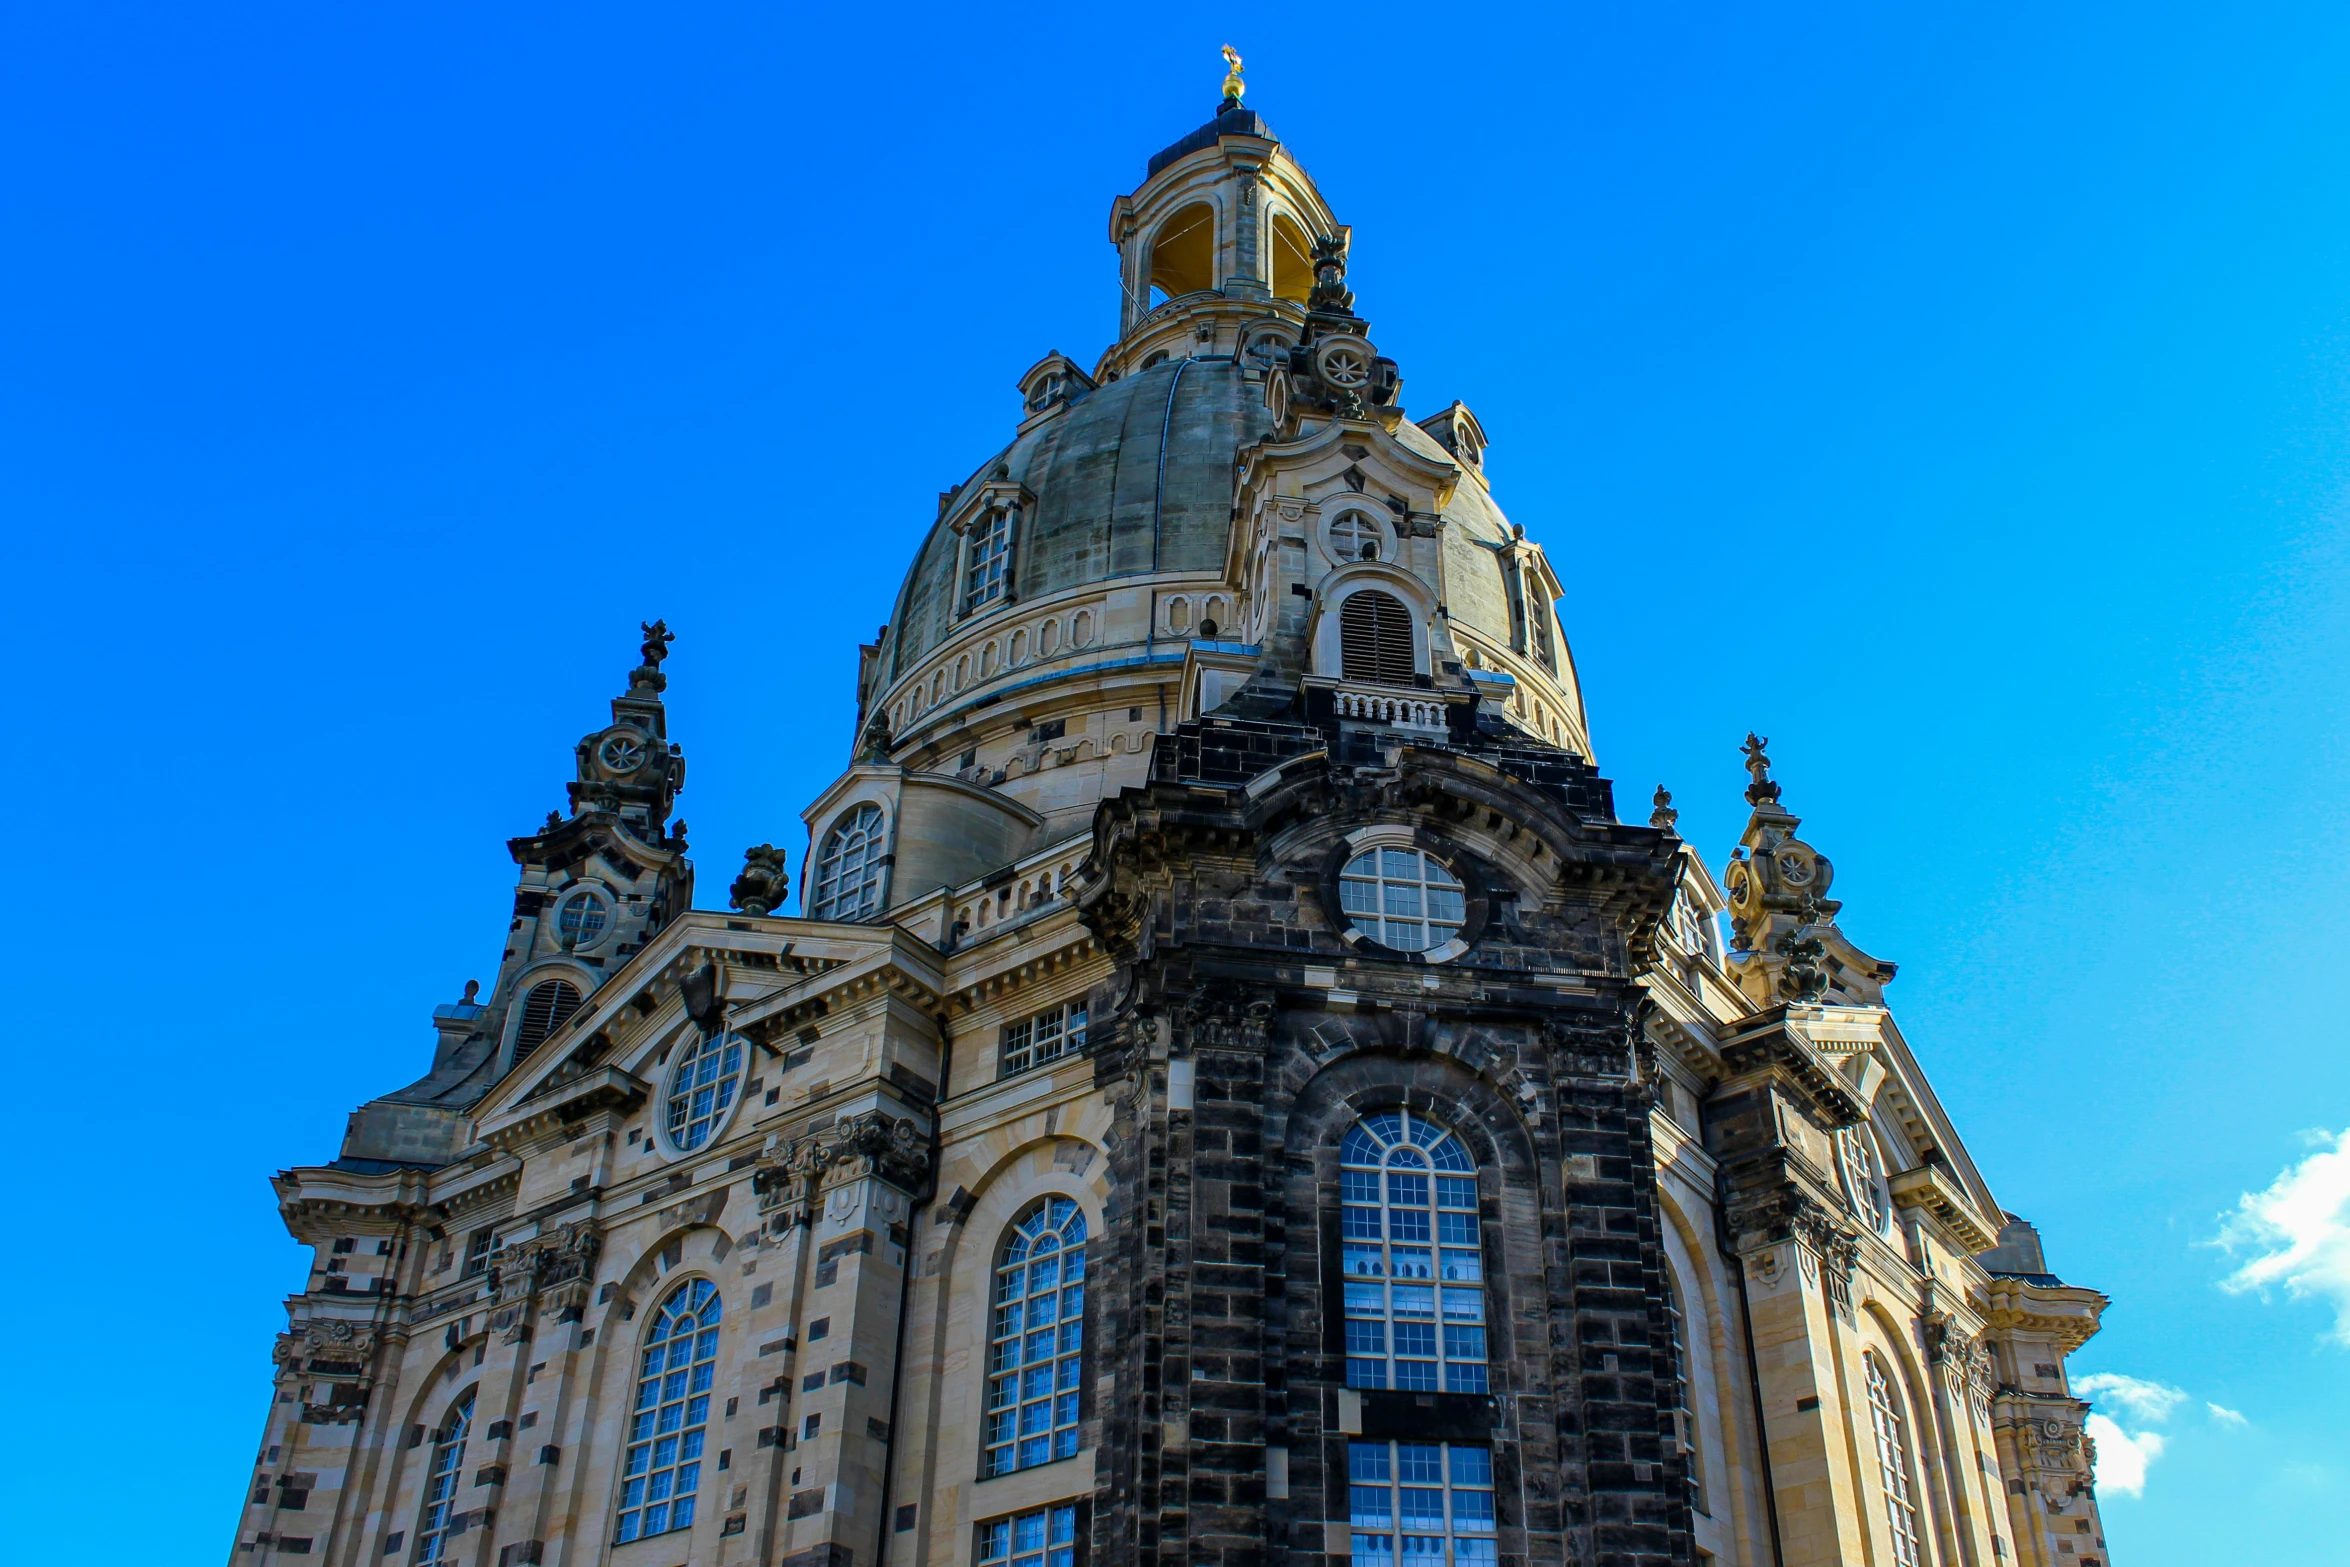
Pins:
x: 1135, y: 479
x: 1131, y: 479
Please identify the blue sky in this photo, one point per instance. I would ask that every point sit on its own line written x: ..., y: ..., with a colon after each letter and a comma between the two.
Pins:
x: 1959, y: 396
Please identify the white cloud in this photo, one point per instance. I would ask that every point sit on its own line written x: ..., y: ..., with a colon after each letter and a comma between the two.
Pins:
x: 2121, y: 1457
x: 2147, y: 1401
x: 2299, y: 1232
x: 2226, y: 1416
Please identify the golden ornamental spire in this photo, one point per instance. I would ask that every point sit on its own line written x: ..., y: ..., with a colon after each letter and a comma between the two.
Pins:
x: 1233, y: 85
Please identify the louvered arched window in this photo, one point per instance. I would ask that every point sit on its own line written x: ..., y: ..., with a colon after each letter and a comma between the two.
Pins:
x: 1375, y: 638
x: 548, y: 1007
x: 848, y: 872
x: 444, y: 1476
x: 1893, y: 1462
x: 1414, y: 1260
x: 661, y: 1480
x: 1036, y: 1340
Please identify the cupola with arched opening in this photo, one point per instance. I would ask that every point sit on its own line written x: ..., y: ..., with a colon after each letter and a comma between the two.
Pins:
x: 1219, y: 235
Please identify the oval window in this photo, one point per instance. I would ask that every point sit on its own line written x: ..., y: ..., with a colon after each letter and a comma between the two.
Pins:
x: 1402, y: 898
x: 702, y: 1090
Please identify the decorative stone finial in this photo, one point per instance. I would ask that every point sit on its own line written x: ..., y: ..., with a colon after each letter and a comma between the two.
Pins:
x: 1330, y: 294
x: 1758, y: 765
x: 472, y: 993
x: 1664, y: 815
x: 554, y: 820
x: 647, y: 676
x: 1233, y: 85
x: 873, y: 745
x: 762, y: 886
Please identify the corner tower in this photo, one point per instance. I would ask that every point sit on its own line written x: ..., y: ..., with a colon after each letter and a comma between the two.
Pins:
x: 594, y: 886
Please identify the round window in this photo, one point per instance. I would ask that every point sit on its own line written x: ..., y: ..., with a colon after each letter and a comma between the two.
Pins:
x: 581, y: 920
x: 1402, y: 898
x: 702, y: 1090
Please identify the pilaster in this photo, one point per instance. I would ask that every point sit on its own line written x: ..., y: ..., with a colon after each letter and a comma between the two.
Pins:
x: 1769, y: 1123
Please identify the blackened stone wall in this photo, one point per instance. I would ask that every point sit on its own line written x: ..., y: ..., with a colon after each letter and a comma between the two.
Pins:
x: 1237, y: 1066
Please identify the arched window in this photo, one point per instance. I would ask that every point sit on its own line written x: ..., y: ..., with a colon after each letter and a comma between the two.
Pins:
x: 1375, y: 638
x: 1036, y: 1346
x: 1415, y: 1266
x: 548, y: 1007
x: 1893, y: 1462
x: 701, y: 1091
x: 444, y: 1474
x: 848, y: 873
x: 663, y: 1473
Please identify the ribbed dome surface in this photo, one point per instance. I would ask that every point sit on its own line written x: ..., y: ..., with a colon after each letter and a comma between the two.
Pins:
x: 1102, y: 508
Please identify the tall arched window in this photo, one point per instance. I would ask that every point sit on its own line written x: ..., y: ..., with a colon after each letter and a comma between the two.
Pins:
x: 1036, y: 1345
x: 1893, y: 1462
x: 1685, y: 1429
x: 548, y: 1007
x: 848, y: 872
x: 1415, y: 1269
x: 1375, y: 638
x: 444, y: 1474
x: 663, y: 1473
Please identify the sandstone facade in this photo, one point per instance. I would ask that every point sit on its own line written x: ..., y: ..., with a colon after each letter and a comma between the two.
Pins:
x: 1239, y: 1091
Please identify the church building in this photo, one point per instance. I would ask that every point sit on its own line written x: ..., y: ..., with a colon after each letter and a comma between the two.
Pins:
x: 1239, y: 1091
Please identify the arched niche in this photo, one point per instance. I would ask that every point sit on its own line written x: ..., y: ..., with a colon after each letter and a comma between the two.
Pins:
x: 1292, y: 256
x: 1183, y: 253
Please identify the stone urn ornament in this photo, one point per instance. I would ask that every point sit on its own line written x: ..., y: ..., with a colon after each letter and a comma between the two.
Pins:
x: 762, y: 886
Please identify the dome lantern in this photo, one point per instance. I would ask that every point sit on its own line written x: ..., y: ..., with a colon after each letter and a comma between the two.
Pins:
x: 1221, y: 233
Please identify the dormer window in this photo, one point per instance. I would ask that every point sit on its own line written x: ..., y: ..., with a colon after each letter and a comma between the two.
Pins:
x: 987, y: 559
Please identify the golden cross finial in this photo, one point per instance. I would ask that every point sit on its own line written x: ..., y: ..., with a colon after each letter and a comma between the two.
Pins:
x: 1233, y: 85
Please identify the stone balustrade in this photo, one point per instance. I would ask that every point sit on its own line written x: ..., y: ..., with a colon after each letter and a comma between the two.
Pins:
x: 1390, y: 707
